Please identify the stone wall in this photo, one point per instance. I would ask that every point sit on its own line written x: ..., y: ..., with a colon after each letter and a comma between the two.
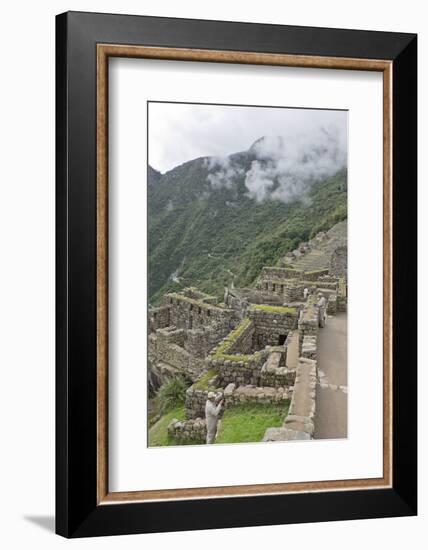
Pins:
x: 182, y: 333
x: 196, y: 399
x: 316, y: 284
x: 189, y: 311
x: 274, y: 372
x: 269, y: 273
x: 199, y: 342
x: 166, y: 353
x: 315, y: 275
x: 308, y: 323
x: 171, y: 335
x: 299, y: 423
x: 252, y: 296
x: 326, y: 291
x: 174, y: 355
x: 339, y: 262
x: 303, y: 403
x: 272, y: 325
x: 188, y: 431
x: 232, y: 357
x: 309, y: 347
x: 294, y: 293
x: 274, y: 288
x: 281, y: 377
x: 342, y: 304
x: 243, y: 343
x: 158, y: 318
x: 250, y: 394
x: 332, y: 304
x: 195, y: 403
x: 241, y: 372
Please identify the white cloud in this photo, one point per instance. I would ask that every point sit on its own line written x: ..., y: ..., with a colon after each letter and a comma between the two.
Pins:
x: 288, y: 166
x: 222, y: 171
x: 299, y: 147
x: 179, y: 132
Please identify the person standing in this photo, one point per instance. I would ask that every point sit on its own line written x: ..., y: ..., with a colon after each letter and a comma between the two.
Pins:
x: 322, y: 302
x: 212, y: 411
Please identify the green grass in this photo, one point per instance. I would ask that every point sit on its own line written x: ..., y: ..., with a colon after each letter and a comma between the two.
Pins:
x: 242, y: 424
x: 158, y: 433
x: 202, y: 383
x: 248, y: 423
x: 273, y: 309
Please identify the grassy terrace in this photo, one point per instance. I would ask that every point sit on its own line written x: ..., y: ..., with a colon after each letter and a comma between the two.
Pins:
x: 273, y: 309
x: 248, y: 423
x: 158, y: 433
x: 268, y: 269
x: 242, y: 424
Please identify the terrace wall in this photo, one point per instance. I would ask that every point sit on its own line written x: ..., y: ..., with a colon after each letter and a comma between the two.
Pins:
x: 270, y: 326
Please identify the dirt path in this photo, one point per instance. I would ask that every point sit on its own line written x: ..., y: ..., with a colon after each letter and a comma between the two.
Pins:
x: 332, y: 412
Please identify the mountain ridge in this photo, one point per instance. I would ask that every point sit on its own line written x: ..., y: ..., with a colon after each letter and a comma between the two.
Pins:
x: 206, y: 228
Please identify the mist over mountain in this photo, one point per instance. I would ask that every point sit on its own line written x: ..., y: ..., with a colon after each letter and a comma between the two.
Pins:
x: 217, y: 219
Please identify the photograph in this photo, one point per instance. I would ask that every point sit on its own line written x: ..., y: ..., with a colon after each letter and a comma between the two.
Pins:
x: 247, y: 211
x: 212, y: 274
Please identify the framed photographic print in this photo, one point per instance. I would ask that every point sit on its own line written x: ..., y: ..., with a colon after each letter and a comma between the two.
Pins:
x: 236, y: 274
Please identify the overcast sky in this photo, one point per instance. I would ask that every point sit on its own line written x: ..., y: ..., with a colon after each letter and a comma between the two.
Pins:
x: 180, y: 132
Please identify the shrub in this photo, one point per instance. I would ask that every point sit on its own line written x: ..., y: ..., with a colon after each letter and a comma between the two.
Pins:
x: 172, y: 394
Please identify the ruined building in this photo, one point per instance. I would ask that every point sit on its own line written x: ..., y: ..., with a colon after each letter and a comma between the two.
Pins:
x: 260, y: 345
x: 182, y: 332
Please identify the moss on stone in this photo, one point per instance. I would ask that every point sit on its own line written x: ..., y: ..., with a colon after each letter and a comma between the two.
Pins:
x: 236, y: 358
x: 284, y: 269
x: 285, y: 282
x: 230, y: 339
x: 317, y: 272
x: 202, y: 383
x: 199, y: 303
x: 273, y: 309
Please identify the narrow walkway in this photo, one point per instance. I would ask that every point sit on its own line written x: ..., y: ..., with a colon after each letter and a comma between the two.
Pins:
x: 331, y: 402
x: 293, y: 351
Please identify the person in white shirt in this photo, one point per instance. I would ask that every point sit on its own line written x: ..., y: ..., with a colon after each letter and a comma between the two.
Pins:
x: 212, y: 411
x: 305, y: 293
x: 321, y: 305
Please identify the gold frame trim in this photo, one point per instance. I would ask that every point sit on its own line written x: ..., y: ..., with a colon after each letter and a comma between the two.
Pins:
x: 104, y: 51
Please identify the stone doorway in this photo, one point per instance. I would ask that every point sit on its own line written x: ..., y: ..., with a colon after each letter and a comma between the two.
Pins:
x: 281, y: 339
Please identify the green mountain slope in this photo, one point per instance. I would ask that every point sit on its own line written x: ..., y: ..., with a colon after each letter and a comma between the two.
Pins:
x: 206, y: 234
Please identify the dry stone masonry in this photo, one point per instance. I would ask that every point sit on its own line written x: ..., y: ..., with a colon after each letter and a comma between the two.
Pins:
x: 188, y: 431
x: 242, y: 348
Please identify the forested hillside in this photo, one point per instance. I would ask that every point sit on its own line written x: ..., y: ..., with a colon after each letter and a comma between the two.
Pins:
x: 207, y: 226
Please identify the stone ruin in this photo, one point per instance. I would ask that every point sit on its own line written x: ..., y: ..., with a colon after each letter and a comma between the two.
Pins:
x: 339, y: 262
x: 260, y: 346
x: 182, y: 332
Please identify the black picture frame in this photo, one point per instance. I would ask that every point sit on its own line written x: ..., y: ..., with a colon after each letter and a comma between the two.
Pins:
x: 77, y: 512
